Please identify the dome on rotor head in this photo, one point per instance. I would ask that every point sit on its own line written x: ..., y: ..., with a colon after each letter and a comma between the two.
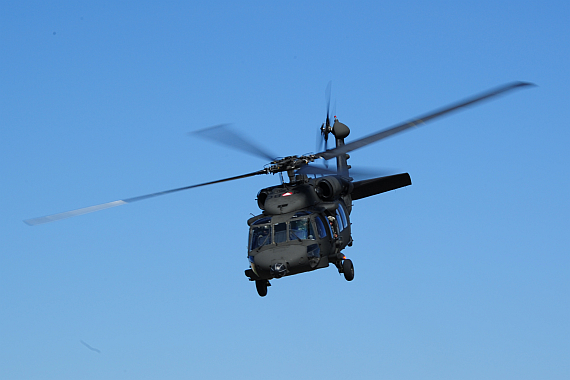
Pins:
x: 340, y: 130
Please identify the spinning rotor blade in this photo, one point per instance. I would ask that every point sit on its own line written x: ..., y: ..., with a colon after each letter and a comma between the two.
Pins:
x: 310, y: 170
x: 328, y: 121
x: 223, y: 134
x: 420, y: 120
x: 328, y: 98
x: 320, y: 141
x: 323, y: 139
x: 86, y: 210
x: 361, y: 173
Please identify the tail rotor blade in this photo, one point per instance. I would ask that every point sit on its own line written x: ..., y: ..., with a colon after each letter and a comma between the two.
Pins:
x: 328, y: 100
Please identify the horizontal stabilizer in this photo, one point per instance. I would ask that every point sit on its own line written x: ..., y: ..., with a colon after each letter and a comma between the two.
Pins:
x: 369, y: 187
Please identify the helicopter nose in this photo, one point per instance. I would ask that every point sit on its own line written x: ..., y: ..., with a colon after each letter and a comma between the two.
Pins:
x: 278, y: 270
x: 281, y: 261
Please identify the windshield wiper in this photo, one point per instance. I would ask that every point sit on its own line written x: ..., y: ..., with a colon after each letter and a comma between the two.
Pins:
x: 263, y: 242
x: 297, y: 236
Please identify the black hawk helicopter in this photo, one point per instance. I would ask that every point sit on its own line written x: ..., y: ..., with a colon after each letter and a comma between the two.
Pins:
x: 305, y: 223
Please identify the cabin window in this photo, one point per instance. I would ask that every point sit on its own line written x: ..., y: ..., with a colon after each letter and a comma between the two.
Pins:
x: 339, y: 220
x: 343, y: 215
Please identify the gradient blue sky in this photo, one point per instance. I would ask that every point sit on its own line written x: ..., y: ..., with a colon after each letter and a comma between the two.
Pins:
x: 463, y: 275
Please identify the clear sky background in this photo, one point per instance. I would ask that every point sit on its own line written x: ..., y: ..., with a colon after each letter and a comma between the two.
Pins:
x: 463, y: 275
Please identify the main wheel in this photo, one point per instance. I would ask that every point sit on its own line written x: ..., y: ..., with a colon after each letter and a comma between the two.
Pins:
x: 261, y: 286
x: 348, y: 270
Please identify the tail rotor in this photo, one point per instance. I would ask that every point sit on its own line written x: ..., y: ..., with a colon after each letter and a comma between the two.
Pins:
x: 326, y: 127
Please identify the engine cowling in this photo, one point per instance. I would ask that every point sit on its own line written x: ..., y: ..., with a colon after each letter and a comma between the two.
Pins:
x: 262, y: 197
x: 330, y: 188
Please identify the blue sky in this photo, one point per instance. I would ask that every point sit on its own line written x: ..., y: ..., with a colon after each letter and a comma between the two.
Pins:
x: 463, y: 275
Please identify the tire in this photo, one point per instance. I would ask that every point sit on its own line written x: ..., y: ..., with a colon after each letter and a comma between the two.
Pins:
x: 261, y: 286
x: 348, y: 270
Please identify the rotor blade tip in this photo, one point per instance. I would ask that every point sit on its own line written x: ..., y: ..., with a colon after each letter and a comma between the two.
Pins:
x: 36, y: 221
x: 525, y: 84
x: 210, y: 128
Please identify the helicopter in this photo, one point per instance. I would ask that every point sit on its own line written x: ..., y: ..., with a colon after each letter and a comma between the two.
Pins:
x: 305, y: 223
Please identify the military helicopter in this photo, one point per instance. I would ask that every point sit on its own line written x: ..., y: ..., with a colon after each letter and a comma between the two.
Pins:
x: 305, y: 222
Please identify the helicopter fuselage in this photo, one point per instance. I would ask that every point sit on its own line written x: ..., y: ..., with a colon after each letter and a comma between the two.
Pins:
x: 305, y: 226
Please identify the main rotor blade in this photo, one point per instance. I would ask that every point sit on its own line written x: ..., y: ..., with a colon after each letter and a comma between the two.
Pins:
x: 103, y: 206
x: 420, y: 120
x: 223, y: 134
x: 361, y: 173
x: 315, y: 170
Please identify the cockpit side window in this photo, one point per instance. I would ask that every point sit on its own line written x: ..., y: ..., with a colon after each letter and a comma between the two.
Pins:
x: 260, y: 236
x: 321, y: 230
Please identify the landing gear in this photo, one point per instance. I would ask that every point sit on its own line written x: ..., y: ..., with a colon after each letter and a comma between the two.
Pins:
x: 261, y: 286
x: 345, y: 267
x: 348, y: 270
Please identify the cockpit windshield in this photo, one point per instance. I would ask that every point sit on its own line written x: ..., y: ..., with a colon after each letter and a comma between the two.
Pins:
x: 261, y: 235
x: 263, y: 232
x: 280, y: 230
x: 301, y: 229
